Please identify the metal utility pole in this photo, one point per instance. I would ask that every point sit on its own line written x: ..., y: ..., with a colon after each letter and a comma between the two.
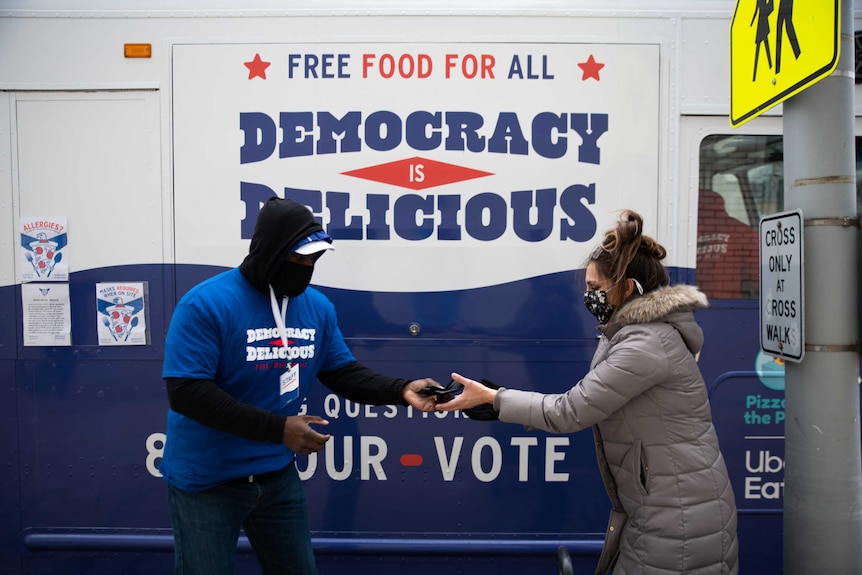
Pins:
x: 823, y: 454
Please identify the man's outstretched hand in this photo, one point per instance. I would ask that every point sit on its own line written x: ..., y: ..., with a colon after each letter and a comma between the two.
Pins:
x: 414, y: 398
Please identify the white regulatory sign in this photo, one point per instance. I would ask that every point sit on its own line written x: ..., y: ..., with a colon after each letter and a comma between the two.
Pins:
x: 781, y: 286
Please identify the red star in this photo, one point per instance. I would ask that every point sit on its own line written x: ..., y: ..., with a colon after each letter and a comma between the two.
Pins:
x: 591, y: 68
x: 257, y: 67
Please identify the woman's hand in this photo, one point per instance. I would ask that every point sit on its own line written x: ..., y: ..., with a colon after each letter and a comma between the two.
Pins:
x: 474, y: 394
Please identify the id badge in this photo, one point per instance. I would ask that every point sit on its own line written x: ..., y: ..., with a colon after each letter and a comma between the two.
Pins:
x: 289, y: 383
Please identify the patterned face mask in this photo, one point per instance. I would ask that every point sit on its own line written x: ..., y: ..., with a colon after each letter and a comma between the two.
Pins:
x: 598, y: 305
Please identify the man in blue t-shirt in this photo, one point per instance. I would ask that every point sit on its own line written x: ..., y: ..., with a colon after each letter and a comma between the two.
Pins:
x: 242, y: 351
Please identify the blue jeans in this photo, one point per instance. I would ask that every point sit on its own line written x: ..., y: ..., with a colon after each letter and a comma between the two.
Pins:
x: 272, y: 512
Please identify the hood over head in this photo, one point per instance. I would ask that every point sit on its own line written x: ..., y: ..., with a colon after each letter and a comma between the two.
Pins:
x: 281, y: 225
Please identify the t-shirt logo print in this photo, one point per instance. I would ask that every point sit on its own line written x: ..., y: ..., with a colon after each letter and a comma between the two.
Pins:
x: 270, y: 346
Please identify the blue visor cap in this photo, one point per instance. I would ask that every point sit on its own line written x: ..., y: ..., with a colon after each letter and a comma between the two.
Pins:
x: 315, y: 243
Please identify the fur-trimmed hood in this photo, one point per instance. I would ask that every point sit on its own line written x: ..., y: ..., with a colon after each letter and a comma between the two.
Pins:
x: 671, y: 304
x: 659, y: 303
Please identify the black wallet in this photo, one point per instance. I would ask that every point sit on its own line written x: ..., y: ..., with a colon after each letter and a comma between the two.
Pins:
x: 443, y: 394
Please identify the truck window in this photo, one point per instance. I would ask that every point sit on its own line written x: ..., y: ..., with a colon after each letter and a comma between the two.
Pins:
x: 741, y: 179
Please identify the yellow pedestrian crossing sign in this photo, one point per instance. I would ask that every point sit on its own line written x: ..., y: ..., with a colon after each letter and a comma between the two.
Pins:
x: 777, y: 49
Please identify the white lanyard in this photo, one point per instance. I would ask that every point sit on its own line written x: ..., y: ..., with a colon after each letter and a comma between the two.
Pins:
x: 280, y: 316
x: 288, y: 382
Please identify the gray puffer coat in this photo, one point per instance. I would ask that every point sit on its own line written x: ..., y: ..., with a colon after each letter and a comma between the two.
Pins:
x: 674, y: 510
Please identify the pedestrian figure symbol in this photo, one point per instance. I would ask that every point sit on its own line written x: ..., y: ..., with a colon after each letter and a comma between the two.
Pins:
x: 785, y: 22
x: 761, y: 13
x: 783, y: 25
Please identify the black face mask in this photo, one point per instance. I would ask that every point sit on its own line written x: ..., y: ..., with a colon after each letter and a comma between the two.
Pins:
x: 292, y: 279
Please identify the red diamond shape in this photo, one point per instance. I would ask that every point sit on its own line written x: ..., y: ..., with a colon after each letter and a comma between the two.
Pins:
x: 417, y: 173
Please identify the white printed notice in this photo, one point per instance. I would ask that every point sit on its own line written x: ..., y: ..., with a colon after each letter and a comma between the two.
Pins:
x: 43, y: 245
x: 121, y: 313
x: 47, y: 314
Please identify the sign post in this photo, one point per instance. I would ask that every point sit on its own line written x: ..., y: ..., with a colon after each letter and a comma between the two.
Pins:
x: 822, y: 454
x: 777, y: 49
x: 782, y: 308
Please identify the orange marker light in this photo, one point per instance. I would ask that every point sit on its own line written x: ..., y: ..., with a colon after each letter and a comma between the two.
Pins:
x: 138, y: 50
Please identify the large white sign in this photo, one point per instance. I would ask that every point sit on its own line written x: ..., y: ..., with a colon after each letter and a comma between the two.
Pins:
x: 433, y: 166
x: 781, y: 286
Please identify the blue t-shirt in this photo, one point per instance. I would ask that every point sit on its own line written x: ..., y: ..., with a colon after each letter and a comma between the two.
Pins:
x: 224, y: 330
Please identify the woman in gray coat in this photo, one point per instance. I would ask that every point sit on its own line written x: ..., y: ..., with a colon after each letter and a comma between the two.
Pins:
x: 644, y: 397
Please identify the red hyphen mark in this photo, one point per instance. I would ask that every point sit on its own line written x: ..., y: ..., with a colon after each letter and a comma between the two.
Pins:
x: 411, y: 460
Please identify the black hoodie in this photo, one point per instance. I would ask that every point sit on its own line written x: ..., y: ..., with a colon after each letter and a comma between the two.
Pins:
x: 281, y: 224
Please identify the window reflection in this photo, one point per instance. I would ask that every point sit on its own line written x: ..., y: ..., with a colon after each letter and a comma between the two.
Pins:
x: 741, y: 180
x: 727, y: 251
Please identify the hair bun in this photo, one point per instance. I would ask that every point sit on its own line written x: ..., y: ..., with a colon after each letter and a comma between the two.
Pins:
x: 627, y: 253
x: 630, y: 227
